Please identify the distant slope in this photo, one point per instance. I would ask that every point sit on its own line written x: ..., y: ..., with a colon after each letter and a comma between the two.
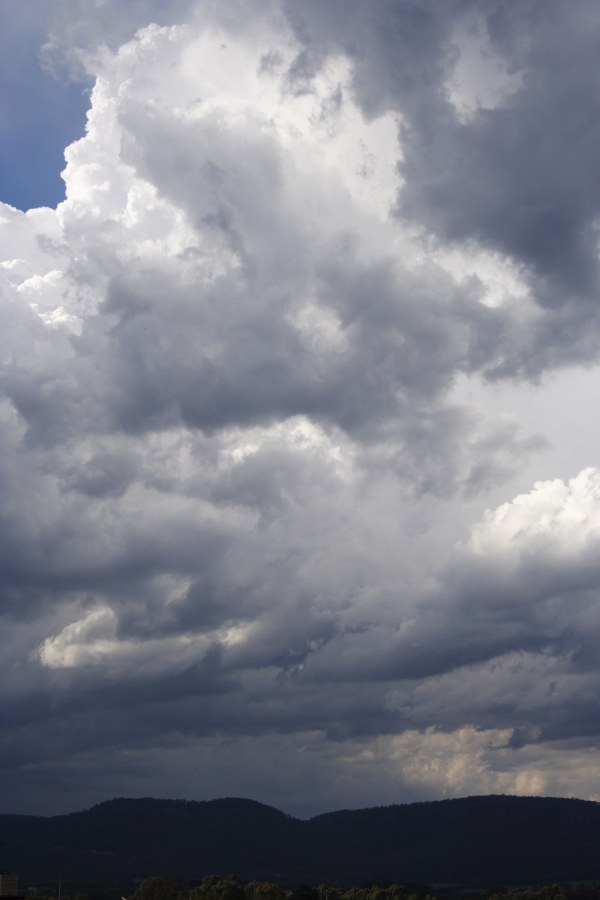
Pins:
x: 476, y: 840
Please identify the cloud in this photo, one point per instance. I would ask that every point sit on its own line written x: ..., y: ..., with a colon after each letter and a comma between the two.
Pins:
x: 243, y: 481
x: 484, y: 163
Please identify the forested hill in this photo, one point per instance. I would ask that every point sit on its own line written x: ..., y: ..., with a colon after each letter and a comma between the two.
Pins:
x: 476, y: 841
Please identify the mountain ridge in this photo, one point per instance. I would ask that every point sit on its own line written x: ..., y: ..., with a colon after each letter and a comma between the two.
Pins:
x: 477, y: 840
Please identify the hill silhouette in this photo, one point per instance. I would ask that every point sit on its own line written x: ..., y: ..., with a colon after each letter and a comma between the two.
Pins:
x: 471, y: 841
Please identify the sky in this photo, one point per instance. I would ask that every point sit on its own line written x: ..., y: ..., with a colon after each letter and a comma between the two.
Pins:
x: 300, y: 475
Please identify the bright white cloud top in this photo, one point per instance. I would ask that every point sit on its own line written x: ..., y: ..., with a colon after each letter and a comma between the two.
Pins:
x: 289, y: 481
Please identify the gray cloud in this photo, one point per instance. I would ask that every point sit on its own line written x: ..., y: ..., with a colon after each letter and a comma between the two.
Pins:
x: 510, y: 177
x: 244, y: 485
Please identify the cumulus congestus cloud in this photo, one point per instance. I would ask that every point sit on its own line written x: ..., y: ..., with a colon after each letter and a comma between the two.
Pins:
x: 261, y: 504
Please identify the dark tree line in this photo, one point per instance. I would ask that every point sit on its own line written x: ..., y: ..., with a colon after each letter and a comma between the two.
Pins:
x: 230, y: 887
x: 218, y: 887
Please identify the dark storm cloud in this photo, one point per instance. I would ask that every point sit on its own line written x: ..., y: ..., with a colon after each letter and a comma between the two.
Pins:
x: 520, y: 178
x: 484, y: 610
x: 234, y: 470
x: 400, y: 50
